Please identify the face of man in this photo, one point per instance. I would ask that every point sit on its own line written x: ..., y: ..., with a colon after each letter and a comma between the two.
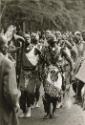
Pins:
x: 28, y: 38
x: 3, y: 44
x: 51, y: 42
x: 78, y: 37
x: 4, y: 48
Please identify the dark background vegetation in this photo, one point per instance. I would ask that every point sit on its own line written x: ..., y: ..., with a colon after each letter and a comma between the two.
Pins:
x: 44, y: 14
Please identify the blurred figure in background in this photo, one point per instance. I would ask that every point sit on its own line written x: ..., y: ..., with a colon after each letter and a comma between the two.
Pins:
x: 9, y: 94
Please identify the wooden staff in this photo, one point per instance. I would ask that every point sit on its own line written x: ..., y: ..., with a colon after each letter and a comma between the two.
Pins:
x: 19, y: 60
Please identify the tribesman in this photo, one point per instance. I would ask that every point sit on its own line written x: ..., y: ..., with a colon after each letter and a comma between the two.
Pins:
x: 50, y: 56
x: 80, y: 47
x: 15, y: 45
x: 30, y: 84
x: 51, y: 76
x: 9, y: 94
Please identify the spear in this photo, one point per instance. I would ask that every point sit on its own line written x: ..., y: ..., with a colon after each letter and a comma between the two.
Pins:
x: 20, y: 44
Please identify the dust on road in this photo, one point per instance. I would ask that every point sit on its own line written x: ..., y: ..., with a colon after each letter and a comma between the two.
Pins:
x: 69, y: 115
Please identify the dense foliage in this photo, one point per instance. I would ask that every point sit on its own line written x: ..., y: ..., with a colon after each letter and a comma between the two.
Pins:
x: 60, y: 14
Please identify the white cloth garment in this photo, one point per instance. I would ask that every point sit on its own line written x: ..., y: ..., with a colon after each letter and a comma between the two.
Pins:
x: 32, y: 57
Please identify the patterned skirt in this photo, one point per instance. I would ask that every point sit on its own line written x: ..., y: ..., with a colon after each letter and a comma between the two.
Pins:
x: 53, y: 83
x: 52, y: 91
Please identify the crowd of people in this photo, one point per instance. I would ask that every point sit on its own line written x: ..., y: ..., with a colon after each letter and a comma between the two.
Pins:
x: 50, y: 59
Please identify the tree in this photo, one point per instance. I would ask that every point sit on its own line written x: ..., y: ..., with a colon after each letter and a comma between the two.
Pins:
x: 59, y: 14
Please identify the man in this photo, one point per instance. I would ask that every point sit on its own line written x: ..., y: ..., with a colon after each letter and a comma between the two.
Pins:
x: 78, y: 70
x: 51, y: 55
x: 9, y: 94
x: 49, y: 72
x: 31, y: 83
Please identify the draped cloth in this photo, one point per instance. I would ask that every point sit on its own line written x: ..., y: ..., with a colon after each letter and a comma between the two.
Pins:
x: 29, y: 76
x: 30, y: 59
x: 8, y: 92
x: 81, y: 73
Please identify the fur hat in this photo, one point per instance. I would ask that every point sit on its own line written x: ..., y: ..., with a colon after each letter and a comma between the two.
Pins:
x: 51, y: 38
x: 77, y: 33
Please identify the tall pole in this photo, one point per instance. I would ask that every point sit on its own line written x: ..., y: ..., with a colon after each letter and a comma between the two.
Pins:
x: 24, y: 27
